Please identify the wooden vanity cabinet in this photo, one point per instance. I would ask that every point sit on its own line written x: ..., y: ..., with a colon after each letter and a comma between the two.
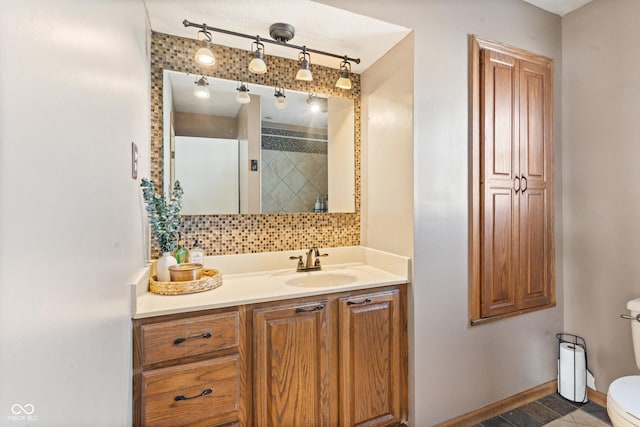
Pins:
x: 189, y: 369
x: 330, y: 360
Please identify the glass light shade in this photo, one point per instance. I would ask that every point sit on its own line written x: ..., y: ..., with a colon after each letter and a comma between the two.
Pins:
x: 201, y: 91
x: 257, y: 66
x: 304, y: 75
x: 280, y: 102
x: 315, y: 107
x: 204, y: 56
x: 344, y: 83
x: 243, y: 97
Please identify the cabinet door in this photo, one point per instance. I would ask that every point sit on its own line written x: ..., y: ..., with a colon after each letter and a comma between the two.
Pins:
x: 536, y: 210
x: 499, y: 182
x: 291, y: 366
x: 371, y: 361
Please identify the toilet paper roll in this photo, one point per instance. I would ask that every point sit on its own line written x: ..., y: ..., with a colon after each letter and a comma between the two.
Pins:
x: 572, y: 372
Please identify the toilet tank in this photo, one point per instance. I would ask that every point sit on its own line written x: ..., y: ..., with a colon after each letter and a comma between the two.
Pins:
x: 634, y: 307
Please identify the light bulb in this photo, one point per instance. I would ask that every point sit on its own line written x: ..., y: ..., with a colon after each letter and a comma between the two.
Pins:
x: 314, y: 103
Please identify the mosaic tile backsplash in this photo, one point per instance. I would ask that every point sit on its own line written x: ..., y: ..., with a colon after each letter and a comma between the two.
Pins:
x: 249, y: 233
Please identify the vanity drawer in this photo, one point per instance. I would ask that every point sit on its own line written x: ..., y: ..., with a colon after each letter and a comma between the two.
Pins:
x: 201, y: 393
x: 188, y: 337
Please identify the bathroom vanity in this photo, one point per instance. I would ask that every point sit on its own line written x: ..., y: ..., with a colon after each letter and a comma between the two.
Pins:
x: 276, y: 347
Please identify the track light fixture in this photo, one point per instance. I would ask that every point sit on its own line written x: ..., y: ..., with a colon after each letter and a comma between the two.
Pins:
x: 243, y: 94
x: 344, y: 82
x: 257, y: 65
x: 204, y: 55
x: 201, y: 90
x: 281, y: 34
x: 281, y: 99
x: 304, y: 61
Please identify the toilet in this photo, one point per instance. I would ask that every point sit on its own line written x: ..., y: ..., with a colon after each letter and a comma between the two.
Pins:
x: 623, y: 398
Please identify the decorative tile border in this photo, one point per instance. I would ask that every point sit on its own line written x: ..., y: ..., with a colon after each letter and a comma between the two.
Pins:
x: 283, y: 143
x: 248, y: 233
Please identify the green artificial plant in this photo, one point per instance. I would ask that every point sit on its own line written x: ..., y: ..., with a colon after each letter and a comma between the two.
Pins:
x: 164, y: 216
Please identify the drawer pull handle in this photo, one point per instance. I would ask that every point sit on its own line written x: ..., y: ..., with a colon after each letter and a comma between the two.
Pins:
x: 182, y: 397
x: 310, y: 310
x: 181, y: 340
x: 366, y: 301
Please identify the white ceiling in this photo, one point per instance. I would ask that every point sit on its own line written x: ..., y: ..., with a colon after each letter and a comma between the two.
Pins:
x: 559, y: 7
x: 317, y: 26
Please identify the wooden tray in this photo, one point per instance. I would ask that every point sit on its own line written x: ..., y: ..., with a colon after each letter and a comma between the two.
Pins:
x: 211, y: 279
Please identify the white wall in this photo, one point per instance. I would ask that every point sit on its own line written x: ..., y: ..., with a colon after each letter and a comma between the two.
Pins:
x: 341, y: 156
x: 74, y: 85
x: 601, y: 107
x: 459, y: 368
x: 387, y: 166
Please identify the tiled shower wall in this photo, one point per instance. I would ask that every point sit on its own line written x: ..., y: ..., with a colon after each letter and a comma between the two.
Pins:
x: 294, y: 169
x: 246, y: 233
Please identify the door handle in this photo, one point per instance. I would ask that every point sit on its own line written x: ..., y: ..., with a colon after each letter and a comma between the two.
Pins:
x: 310, y: 310
x: 516, y: 184
x: 183, y: 397
x: 181, y: 340
x: 365, y: 301
x: 524, y: 184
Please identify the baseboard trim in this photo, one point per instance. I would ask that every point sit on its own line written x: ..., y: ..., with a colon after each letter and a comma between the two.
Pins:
x: 597, y: 397
x: 502, y: 406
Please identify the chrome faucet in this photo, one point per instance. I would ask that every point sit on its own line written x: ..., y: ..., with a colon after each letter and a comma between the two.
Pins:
x: 310, y: 264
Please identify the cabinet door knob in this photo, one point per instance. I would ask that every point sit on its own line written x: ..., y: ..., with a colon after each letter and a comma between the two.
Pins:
x: 182, y: 397
x: 310, y: 310
x: 516, y: 184
x: 181, y: 340
x: 365, y: 301
x: 524, y: 183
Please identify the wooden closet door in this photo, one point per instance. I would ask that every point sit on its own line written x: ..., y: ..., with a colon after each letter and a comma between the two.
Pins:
x: 536, y: 210
x: 498, y: 183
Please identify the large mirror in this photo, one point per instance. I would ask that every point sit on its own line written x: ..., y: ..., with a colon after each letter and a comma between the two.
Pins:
x: 254, y: 157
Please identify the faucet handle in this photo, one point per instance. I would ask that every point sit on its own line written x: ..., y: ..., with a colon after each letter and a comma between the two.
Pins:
x: 317, y: 252
x: 318, y: 256
x: 299, y: 258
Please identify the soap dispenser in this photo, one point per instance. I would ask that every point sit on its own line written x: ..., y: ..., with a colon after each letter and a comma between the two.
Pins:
x: 196, y: 254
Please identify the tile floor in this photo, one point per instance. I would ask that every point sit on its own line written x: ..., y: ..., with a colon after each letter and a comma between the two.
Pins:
x: 553, y: 411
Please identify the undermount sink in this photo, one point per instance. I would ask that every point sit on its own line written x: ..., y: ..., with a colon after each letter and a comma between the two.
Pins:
x: 321, y: 280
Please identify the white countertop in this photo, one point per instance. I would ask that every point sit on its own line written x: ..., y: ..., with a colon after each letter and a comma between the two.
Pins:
x: 253, y: 278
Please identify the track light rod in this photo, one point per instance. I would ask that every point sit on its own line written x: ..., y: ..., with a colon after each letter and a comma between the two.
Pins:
x: 205, y: 27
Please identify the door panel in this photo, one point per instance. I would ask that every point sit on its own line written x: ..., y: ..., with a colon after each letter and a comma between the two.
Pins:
x: 291, y: 365
x: 370, y: 368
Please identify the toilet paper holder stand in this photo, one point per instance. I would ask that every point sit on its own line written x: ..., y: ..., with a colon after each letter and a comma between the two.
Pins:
x: 573, y: 341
